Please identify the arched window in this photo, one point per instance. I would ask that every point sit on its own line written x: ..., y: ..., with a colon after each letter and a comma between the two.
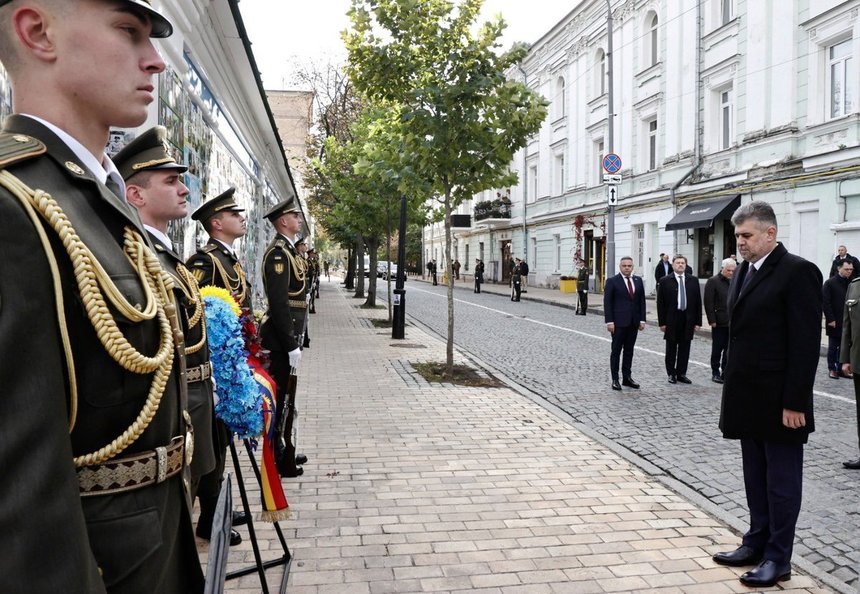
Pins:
x: 559, y: 98
x: 600, y: 72
x: 653, y: 46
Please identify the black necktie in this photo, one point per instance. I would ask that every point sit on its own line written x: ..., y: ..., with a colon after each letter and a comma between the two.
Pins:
x: 748, y: 277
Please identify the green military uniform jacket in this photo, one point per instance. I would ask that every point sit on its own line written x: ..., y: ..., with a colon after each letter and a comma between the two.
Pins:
x: 200, y: 403
x: 58, y: 541
x: 215, y: 265
x: 284, y: 276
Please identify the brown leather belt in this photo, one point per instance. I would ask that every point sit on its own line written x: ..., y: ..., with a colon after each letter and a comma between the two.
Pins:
x: 135, y: 471
x: 199, y: 373
x: 298, y: 304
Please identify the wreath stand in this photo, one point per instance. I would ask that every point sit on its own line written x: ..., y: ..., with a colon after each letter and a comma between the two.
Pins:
x: 259, y: 566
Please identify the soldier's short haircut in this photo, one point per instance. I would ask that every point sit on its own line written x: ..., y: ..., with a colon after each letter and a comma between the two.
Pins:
x: 207, y: 224
x: 758, y: 211
x: 142, y: 179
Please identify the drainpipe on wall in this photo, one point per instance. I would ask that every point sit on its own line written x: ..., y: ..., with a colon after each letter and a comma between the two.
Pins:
x: 697, y: 141
x: 525, y: 191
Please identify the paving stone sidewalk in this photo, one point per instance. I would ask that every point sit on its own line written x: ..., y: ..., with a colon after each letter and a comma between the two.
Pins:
x: 416, y: 487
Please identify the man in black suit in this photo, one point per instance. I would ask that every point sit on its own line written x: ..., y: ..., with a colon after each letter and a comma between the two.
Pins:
x: 842, y: 255
x: 679, y: 315
x: 663, y: 268
x: 716, y: 309
x: 774, y: 336
x: 624, y: 312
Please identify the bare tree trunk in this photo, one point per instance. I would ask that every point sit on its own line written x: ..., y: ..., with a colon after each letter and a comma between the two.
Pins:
x: 373, y: 248
x: 359, y: 263
x: 388, y: 262
x: 449, y: 348
x: 349, y: 281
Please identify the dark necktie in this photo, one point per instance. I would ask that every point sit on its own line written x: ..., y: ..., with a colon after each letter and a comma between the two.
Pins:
x: 629, y: 286
x: 748, y: 277
x: 113, y: 186
x: 682, y: 294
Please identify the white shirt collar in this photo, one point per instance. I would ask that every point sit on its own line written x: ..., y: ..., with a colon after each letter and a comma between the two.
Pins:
x: 162, y: 237
x: 100, y: 169
x: 761, y: 260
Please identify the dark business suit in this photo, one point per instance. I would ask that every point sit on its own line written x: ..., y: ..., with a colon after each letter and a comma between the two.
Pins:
x: 626, y: 313
x: 56, y: 540
x: 774, y: 342
x: 680, y: 325
x: 661, y: 270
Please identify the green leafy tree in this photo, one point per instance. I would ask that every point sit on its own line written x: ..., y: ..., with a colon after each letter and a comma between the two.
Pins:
x: 462, y: 119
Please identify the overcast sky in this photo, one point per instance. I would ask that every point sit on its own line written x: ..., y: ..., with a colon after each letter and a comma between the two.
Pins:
x: 286, y: 33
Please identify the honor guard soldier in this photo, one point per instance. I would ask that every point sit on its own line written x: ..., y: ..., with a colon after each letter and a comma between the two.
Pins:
x: 215, y: 264
x: 94, y: 431
x: 154, y: 187
x: 284, y: 278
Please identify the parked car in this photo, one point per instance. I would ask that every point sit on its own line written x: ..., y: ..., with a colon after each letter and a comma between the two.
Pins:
x: 382, y: 270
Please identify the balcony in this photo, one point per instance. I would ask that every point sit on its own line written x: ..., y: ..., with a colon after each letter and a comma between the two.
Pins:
x: 499, y: 208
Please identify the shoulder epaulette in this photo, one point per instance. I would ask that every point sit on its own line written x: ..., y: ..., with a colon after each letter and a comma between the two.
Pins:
x: 208, y: 248
x: 281, y: 243
x: 18, y: 147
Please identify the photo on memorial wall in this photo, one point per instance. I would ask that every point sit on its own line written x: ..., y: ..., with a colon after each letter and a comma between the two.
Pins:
x: 5, y: 94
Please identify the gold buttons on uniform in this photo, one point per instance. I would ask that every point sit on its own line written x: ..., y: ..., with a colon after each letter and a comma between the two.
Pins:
x: 21, y: 138
x: 74, y: 167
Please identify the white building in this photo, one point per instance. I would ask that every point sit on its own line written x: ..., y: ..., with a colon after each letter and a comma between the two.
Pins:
x: 716, y: 103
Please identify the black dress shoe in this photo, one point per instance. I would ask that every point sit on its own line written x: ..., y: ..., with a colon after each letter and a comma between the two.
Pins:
x: 767, y: 574
x: 717, y: 379
x: 684, y: 379
x: 743, y: 555
x: 240, y: 518
x: 852, y: 465
x: 630, y: 383
x: 672, y: 379
x: 235, y: 537
x: 616, y: 385
x: 300, y: 459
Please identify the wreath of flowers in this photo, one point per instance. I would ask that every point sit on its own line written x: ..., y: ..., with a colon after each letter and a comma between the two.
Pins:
x: 240, y: 404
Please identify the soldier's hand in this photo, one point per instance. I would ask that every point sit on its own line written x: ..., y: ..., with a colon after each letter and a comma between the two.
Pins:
x: 295, y: 357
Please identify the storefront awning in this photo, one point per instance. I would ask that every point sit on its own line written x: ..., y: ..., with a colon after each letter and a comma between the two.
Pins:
x: 703, y: 214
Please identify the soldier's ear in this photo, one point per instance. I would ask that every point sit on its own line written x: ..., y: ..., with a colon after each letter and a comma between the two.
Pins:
x: 134, y: 197
x: 34, y: 28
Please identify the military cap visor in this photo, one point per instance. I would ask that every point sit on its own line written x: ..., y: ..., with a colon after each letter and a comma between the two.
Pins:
x: 221, y: 203
x: 282, y: 208
x: 161, y: 27
x: 148, y: 151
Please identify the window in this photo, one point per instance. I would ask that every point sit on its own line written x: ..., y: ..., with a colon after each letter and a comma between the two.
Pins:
x: 556, y: 244
x: 600, y: 72
x: 598, y: 156
x: 725, y: 11
x: 726, y: 119
x: 558, y: 98
x: 533, y: 183
x: 651, y: 149
x: 653, y: 47
x: 534, y: 252
x: 842, y: 80
x: 559, y: 174
x: 481, y: 251
x: 466, y: 262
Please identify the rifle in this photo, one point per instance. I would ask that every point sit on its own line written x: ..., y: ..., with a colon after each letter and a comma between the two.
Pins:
x: 288, y: 413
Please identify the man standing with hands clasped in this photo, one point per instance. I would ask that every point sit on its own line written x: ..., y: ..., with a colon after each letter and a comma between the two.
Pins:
x: 624, y: 312
x: 679, y: 314
x: 775, y: 334
x: 716, y: 308
x: 849, y: 353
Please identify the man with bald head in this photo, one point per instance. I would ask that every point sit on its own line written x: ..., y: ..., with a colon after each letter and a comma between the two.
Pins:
x: 95, y: 436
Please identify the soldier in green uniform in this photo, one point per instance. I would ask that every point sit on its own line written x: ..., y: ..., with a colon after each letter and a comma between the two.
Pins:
x: 216, y: 264
x: 154, y: 187
x: 284, y: 278
x: 94, y: 431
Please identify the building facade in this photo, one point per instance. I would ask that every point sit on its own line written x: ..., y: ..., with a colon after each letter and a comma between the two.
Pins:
x: 715, y: 103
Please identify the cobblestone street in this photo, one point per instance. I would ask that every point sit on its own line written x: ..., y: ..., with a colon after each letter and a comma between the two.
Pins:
x: 565, y: 360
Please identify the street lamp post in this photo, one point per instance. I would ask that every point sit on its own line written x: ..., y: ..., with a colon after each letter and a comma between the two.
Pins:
x: 398, y: 324
x: 610, y: 117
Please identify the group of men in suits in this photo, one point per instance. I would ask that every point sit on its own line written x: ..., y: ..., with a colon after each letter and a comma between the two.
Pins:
x: 773, y: 307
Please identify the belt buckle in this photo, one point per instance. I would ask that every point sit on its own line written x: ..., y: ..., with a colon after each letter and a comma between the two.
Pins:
x: 161, y: 464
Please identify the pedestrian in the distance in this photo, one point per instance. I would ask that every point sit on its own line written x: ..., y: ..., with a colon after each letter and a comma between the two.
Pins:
x: 717, y: 310
x: 775, y: 337
x: 479, y: 275
x: 433, y: 271
x: 850, y: 352
x: 524, y: 273
x: 841, y: 256
x: 516, y: 282
x: 679, y: 315
x: 833, y: 303
x: 456, y: 267
x: 663, y: 267
x: 582, y: 291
